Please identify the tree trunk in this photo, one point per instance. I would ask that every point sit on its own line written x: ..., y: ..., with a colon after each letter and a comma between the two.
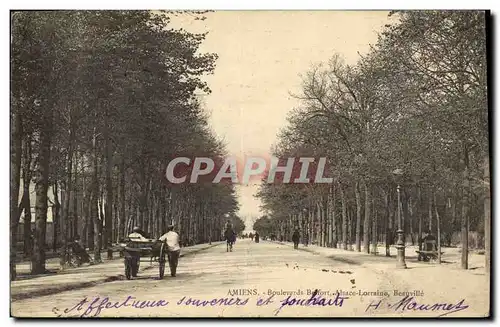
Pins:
x: 465, y: 212
x: 102, y: 217
x: 151, y: 210
x: 388, y: 224
x: 131, y: 210
x: 358, y: 217
x: 97, y: 227
x: 74, y: 232
x: 142, y: 215
x: 66, y: 216
x: 55, y: 216
x: 83, y: 205
x: 94, y: 206
x: 158, y: 217
x: 334, y: 218
x: 26, y: 203
x: 167, y: 212
x: 420, y: 214
x: 109, y: 185
x: 344, y: 217
x: 15, y: 176
x: 121, y: 229
x: 321, y: 222
x: 453, y: 216
x: 374, y: 231
x: 330, y: 215
x: 430, y: 210
x: 41, y: 188
x: 366, y: 227
x: 404, y: 213
x: 410, y: 220
x: 487, y: 215
x: 28, y: 246
x: 311, y: 225
x: 89, y: 214
x: 350, y: 228
x: 438, y: 226
x: 116, y: 218
x: 321, y: 213
x: 27, y: 219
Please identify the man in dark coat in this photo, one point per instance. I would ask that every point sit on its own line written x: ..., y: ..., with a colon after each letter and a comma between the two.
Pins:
x: 296, y: 239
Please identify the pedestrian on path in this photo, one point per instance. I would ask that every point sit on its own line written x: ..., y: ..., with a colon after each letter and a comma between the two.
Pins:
x: 173, y: 248
x: 296, y: 238
x: 230, y: 237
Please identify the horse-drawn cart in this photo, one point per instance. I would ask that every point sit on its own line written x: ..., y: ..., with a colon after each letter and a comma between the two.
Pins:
x: 133, y: 250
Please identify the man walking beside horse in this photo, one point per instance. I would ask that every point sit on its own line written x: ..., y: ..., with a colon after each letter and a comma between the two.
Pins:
x: 296, y: 239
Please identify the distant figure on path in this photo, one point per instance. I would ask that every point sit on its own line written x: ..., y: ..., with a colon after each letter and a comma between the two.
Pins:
x: 173, y: 248
x: 257, y: 238
x: 230, y: 237
x: 296, y: 239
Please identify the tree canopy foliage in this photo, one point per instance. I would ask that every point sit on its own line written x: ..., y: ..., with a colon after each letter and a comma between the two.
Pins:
x: 101, y: 101
x: 412, y: 111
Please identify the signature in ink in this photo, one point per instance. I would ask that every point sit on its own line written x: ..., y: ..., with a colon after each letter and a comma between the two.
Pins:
x: 408, y: 303
x: 314, y: 300
x: 93, y: 308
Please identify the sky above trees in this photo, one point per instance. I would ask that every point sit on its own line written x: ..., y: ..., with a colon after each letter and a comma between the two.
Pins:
x: 261, y: 56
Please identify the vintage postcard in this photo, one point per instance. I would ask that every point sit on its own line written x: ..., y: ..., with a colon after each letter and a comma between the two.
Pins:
x: 245, y: 164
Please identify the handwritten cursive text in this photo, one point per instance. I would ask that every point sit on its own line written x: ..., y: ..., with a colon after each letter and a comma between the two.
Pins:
x: 408, y: 303
x: 314, y: 300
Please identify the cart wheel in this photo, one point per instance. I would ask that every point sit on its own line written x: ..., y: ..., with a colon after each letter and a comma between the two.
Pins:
x: 162, y: 260
x: 128, y: 272
x: 162, y: 268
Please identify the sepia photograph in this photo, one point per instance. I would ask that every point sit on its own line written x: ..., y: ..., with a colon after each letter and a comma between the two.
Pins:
x: 250, y: 164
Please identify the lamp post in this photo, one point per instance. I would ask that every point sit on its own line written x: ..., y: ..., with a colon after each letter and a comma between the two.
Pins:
x: 169, y: 217
x: 400, y: 245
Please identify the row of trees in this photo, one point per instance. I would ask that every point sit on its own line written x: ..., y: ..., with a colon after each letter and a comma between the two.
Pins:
x: 266, y: 226
x: 100, y: 102
x: 237, y: 223
x: 412, y: 112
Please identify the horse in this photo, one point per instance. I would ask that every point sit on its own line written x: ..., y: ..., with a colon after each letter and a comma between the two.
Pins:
x: 230, y: 237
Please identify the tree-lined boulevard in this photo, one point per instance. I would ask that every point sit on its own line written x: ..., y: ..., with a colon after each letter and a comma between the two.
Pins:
x: 260, y: 270
x: 406, y: 133
x: 103, y: 101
